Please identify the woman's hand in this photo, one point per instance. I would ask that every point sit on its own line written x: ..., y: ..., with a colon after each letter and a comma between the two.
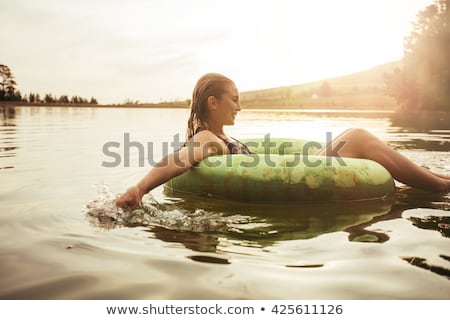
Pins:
x: 130, y: 200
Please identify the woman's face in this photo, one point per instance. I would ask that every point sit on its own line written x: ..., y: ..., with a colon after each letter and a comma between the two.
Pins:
x: 228, y: 105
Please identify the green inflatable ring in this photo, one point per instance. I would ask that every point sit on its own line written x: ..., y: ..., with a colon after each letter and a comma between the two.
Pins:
x: 284, y: 170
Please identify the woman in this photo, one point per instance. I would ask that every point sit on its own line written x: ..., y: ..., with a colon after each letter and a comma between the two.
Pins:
x: 215, y: 103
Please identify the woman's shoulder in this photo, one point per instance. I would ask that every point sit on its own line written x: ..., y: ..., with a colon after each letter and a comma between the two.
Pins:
x: 205, y: 134
x: 207, y: 137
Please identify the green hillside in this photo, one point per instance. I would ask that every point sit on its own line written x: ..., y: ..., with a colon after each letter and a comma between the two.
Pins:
x: 362, y: 90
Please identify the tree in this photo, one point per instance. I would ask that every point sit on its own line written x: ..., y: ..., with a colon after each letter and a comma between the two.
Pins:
x: 75, y: 100
x: 63, y: 99
x: 325, y: 90
x: 424, y: 81
x: 49, y: 98
x: 7, y: 84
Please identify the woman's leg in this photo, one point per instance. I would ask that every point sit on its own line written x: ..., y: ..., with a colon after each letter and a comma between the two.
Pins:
x: 441, y: 176
x: 359, y: 143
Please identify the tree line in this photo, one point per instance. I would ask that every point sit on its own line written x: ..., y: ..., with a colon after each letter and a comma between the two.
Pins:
x: 423, y: 82
x: 9, y: 92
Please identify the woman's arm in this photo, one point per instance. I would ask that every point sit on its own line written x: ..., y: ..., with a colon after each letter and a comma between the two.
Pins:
x: 202, y: 145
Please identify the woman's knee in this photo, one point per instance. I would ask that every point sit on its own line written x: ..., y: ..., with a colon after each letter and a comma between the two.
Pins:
x: 355, y: 141
x: 357, y: 132
x: 359, y: 136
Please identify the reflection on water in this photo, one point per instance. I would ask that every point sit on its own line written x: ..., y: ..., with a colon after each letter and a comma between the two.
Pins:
x: 199, y: 248
x: 263, y: 224
x: 252, y: 224
x: 426, y: 131
x: 432, y: 141
x: 441, y: 224
x: 221, y: 223
x: 8, y: 144
x: 425, y: 121
x: 422, y: 263
x: 8, y: 113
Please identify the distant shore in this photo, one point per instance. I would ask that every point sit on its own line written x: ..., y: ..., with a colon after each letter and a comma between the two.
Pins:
x: 402, y: 113
x: 185, y: 105
x: 90, y: 105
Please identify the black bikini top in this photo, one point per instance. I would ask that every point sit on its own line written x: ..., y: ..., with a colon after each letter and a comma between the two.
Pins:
x: 235, y: 146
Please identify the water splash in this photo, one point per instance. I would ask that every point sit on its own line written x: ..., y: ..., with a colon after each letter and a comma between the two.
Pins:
x: 103, y: 207
x: 103, y: 213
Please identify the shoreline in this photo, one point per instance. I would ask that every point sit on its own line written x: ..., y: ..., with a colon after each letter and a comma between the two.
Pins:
x: 168, y: 105
x: 183, y: 105
x: 400, y: 115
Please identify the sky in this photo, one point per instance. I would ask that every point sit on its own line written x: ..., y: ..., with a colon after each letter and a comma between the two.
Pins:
x: 155, y: 50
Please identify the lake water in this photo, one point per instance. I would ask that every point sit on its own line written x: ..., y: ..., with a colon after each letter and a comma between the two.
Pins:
x: 52, y: 165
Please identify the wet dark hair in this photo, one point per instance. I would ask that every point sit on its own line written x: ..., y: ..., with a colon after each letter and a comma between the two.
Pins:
x: 211, y: 84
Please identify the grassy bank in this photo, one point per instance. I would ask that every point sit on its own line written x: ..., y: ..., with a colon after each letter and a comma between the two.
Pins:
x: 362, y: 90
